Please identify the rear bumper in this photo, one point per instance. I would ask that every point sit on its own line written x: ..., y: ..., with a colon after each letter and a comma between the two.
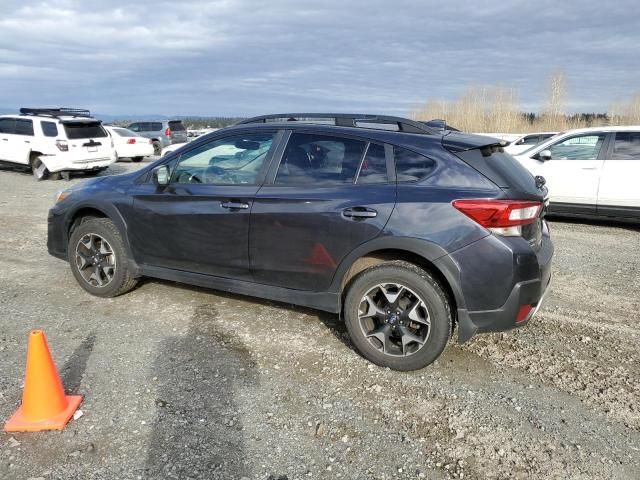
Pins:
x: 58, y: 164
x: 494, y: 278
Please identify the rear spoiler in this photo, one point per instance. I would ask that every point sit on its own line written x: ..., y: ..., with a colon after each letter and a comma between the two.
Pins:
x: 459, y: 142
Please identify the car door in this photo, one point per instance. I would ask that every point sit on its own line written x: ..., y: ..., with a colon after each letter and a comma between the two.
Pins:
x: 573, y: 171
x: 23, y: 140
x: 7, y: 144
x: 312, y: 211
x: 199, y: 222
x: 619, y: 193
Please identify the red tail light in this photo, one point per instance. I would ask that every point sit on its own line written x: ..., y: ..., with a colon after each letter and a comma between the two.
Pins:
x: 167, y: 132
x: 504, y: 217
x: 131, y: 141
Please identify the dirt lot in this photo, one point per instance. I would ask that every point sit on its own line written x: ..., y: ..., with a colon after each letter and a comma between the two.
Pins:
x: 182, y: 382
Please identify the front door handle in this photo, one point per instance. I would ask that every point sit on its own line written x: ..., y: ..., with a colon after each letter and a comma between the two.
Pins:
x: 235, y: 205
x: 359, y: 212
x: 589, y: 168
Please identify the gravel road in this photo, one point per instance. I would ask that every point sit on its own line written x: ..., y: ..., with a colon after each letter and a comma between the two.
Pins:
x: 182, y: 382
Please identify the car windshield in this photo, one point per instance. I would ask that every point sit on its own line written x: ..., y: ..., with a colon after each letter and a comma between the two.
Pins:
x: 525, y: 152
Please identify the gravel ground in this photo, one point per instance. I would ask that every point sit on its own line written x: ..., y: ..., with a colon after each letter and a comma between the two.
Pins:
x: 181, y: 382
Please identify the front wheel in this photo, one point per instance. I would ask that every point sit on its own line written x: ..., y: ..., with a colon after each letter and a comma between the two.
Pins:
x: 98, y: 258
x: 398, y: 316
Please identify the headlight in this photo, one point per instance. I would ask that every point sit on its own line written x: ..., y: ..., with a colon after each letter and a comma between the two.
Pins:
x: 61, y: 195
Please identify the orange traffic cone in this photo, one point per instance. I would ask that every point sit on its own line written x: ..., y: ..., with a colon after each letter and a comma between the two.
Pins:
x: 44, y: 404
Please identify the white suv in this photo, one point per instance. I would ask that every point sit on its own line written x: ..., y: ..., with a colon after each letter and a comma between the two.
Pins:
x: 591, y: 172
x: 55, y: 142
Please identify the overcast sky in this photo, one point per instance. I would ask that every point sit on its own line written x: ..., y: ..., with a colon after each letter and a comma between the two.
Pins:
x: 230, y: 57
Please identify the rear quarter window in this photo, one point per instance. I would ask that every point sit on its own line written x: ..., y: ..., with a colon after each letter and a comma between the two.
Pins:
x: 49, y: 129
x: 411, y: 166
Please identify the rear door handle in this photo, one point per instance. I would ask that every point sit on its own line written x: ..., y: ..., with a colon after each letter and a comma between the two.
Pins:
x: 359, y: 212
x: 235, y: 205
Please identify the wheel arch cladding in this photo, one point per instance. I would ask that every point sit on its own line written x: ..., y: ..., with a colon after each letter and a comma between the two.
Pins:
x: 93, y: 211
x: 423, y: 259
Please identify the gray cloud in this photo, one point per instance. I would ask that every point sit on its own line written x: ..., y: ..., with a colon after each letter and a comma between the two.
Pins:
x: 238, y: 58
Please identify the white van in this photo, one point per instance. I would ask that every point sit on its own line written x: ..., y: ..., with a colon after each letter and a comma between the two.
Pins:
x: 591, y: 172
x: 55, y: 142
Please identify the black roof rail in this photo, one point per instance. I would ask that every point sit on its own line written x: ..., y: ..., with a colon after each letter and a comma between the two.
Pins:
x: 348, y: 120
x: 439, y: 124
x: 56, y: 112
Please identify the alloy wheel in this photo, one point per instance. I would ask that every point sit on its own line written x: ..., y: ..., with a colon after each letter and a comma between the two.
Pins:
x: 394, y: 319
x: 95, y: 260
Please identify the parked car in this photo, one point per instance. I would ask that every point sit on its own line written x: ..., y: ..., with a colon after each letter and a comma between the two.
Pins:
x: 162, y: 133
x: 403, y: 233
x: 590, y: 172
x: 128, y: 144
x: 526, y: 141
x: 171, y: 148
x: 52, y: 142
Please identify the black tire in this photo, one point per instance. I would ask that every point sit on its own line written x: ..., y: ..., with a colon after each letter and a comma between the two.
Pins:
x: 157, y: 148
x: 136, y: 159
x: 38, y: 169
x: 419, y: 287
x: 122, y: 279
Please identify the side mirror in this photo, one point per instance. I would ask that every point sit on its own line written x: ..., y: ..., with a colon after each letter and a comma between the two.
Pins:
x: 544, y: 155
x: 161, y: 175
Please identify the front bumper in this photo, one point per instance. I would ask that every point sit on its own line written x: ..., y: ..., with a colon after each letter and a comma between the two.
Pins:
x: 56, y: 237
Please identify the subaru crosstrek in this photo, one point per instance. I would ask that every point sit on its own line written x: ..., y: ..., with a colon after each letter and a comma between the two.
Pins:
x: 403, y: 229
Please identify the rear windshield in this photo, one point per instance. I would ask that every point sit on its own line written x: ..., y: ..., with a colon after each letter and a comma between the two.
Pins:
x: 77, y: 130
x: 123, y: 132
x: 176, y: 125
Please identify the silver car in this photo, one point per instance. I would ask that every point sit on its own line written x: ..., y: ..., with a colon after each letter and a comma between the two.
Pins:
x: 162, y: 133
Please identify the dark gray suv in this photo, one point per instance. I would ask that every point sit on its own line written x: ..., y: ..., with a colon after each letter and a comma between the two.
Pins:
x: 162, y: 133
x: 405, y: 230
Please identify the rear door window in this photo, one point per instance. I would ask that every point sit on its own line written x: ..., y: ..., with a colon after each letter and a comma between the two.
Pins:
x: 78, y: 130
x: 312, y: 159
x: 49, y: 129
x: 7, y: 125
x: 24, y: 127
x: 374, y: 166
x: 154, y: 126
x: 626, y: 146
x: 411, y: 166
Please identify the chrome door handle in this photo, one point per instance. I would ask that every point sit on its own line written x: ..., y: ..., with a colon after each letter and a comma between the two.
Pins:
x: 359, y: 212
x: 235, y: 205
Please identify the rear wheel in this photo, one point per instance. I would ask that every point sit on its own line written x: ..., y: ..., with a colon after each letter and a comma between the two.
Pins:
x: 157, y: 148
x: 398, y: 316
x: 38, y: 169
x: 136, y: 159
x: 98, y: 258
